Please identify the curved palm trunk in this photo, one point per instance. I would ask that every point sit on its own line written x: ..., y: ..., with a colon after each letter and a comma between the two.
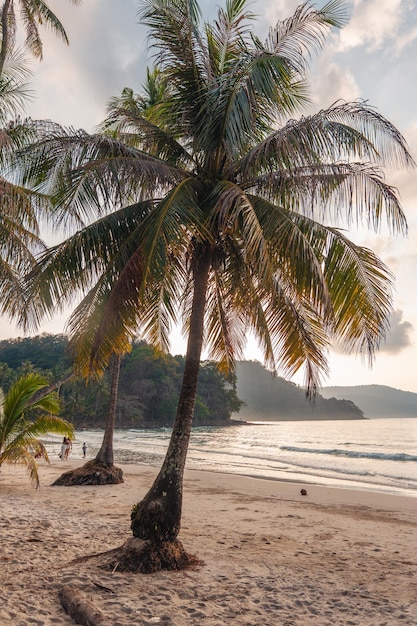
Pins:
x: 101, y: 470
x: 105, y: 454
x: 157, y: 517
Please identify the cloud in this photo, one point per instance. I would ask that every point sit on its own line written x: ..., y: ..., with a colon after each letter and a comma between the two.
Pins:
x: 380, y: 24
x: 331, y: 82
x: 278, y: 10
x: 373, y: 22
x: 107, y: 52
x: 399, y: 336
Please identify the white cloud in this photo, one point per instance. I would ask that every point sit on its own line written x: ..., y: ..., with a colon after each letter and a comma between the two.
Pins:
x: 399, y: 336
x: 278, y: 10
x: 379, y: 24
x: 332, y: 82
x: 373, y: 22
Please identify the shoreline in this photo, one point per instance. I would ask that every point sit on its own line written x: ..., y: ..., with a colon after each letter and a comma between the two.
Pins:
x: 155, y: 460
x: 270, y: 555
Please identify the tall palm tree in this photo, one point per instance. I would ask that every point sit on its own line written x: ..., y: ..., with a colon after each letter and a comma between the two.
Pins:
x: 19, y: 435
x: 222, y: 205
x: 33, y: 13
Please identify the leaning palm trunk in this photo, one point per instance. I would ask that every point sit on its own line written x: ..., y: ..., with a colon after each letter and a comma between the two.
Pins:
x: 105, y: 454
x: 157, y: 518
x: 100, y: 471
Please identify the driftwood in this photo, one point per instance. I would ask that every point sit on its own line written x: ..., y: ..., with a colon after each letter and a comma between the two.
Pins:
x: 80, y: 609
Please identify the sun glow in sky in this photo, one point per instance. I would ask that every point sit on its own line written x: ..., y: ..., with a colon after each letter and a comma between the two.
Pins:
x: 373, y: 58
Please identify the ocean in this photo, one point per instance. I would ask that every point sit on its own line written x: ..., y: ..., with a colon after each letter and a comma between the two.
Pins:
x: 373, y: 454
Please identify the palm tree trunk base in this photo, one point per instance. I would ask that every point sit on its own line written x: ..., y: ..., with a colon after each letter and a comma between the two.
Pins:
x: 92, y: 473
x: 157, y: 518
x: 146, y: 557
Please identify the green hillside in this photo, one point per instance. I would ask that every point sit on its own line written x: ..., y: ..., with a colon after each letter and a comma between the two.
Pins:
x: 269, y: 397
x: 150, y: 383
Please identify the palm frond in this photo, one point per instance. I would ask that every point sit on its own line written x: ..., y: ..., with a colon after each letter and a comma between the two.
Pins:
x: 351, y: 130
x: 21, y: 455
x: 360, y: 285
x: 89, y: 174
x: 355, y: 192
x: 304, y: 33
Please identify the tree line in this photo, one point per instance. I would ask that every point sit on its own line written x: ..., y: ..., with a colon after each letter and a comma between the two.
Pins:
x: 148, y: 388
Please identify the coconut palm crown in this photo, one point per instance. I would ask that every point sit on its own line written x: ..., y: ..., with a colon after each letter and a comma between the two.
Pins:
x: 218, y: 167
x: 214, y: 201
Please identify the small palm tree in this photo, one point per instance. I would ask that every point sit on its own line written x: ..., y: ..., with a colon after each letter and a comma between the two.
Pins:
x: 19, y: 434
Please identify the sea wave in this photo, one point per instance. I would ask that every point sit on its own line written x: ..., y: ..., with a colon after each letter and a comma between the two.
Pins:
x: 381, y: 456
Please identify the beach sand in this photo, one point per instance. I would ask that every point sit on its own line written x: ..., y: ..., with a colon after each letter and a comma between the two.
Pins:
x: 270, y: 556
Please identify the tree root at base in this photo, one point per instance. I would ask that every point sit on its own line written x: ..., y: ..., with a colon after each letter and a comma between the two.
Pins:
x: 138, y: 556
x: 92, y: 473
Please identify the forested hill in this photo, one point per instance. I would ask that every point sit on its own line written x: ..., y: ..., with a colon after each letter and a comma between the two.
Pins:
x: 377, y: 400
x: 269, y: 397
x: 149, y: 388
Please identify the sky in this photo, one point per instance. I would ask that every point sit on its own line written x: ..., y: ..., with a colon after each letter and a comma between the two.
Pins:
x: 372, y: 58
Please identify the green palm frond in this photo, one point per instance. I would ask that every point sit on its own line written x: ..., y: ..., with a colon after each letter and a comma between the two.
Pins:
x: 226, y: 324
x: 14, y: 85
x: 35, y: 13
x: 24, y: 394
x: 304, y: 33
x: 21, y: 455
x: 225, y: 37
x: 146, y: 122
x: 89, y: 174
x: 73, y: 266
x: 265, y: 82
x: 354, y: 192
x: 106, y: 320
x: 351, y: 129
x: 139, y: 132
x: 173, y: 31
x: 19, y: 436
x: 361, y: 291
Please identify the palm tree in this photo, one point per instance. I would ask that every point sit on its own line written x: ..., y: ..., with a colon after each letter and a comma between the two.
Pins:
x: 88, y: 342
x: 19, y: 434
x: 221, y: 206
x: 101, y: 470
x: 33, y: 13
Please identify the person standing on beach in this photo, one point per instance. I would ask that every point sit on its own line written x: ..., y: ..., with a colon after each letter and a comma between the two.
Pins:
x: 68, y: 447
x: 84, y: 449
x: 63, y: 448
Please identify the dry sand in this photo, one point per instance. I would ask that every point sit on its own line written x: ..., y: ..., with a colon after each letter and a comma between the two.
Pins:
x: 271, y: 556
